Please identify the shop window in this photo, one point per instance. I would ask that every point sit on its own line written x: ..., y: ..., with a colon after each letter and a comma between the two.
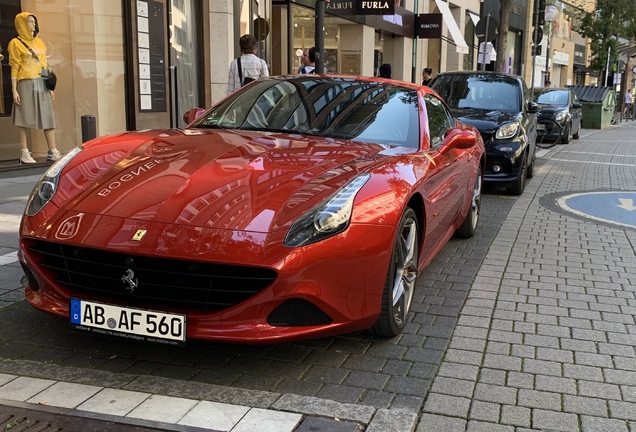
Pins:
x: 9, y: 9
x: 184, y: 56
x: 303, y: 29
x: 85, y: 48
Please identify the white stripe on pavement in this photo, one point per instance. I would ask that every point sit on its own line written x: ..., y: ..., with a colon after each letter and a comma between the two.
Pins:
x: 9, y: 258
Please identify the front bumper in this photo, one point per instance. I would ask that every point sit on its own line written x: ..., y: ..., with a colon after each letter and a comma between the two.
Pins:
x: 343, y: 282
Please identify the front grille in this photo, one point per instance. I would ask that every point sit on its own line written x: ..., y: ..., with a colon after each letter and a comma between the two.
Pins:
x: 179, y: 284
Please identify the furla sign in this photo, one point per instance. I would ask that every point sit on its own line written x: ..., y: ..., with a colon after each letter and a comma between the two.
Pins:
x: 361, y: 7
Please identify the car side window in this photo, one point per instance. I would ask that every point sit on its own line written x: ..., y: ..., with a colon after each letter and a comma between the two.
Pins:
x: 439, y: 118
x: 526, y: 97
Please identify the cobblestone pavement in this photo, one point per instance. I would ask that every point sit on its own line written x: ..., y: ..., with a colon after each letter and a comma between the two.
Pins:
x: 529, y: 325
x: 546, y: 338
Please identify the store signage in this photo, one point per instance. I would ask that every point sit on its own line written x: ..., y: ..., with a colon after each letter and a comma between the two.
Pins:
x: 151, y: 56
x: 345, y: 7
x: 429, y: 26
x: 361, y: 7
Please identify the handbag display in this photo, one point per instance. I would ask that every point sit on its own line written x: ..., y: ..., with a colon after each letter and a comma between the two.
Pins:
x: 50, y: 79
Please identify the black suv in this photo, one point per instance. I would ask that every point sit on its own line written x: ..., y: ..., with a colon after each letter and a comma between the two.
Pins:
x: 499, y: 105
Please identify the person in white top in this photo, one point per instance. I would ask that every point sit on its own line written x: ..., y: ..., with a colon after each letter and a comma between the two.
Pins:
x: 628, y: 111
x: 252, y: 67
x: 309, y: 62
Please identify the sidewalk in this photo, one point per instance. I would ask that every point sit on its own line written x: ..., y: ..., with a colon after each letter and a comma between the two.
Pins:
x: 544, y: 339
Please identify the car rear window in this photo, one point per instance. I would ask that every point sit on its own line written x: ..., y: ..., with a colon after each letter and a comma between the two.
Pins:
x: 484, y: 92
x: 553, y: 97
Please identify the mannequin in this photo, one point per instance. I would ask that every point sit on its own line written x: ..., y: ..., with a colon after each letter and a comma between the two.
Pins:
x: 32, y: 102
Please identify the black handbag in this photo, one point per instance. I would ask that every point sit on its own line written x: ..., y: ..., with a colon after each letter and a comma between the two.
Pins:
x: 50, y: 79
x: 242, y: 80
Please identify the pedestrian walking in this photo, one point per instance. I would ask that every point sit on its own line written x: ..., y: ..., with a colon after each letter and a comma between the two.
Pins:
x: 628, y: 109
x: 32, y: 101
x: 248, y: 67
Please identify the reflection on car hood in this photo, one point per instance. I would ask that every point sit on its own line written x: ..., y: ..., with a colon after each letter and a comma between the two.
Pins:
x: 233, y: 180
x: 486, y: 122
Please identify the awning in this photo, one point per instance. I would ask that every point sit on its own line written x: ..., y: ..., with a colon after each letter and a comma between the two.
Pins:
x: 474, y: 18
x: 583, y: 69
x: 460, y: 44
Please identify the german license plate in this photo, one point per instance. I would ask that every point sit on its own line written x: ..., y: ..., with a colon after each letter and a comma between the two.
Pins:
x: 541, y: 127
x: 131, y: 323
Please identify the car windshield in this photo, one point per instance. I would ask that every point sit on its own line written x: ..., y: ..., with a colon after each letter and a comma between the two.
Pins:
x: 331, y: 107
x: 553, y: 97
x: 484, y: 92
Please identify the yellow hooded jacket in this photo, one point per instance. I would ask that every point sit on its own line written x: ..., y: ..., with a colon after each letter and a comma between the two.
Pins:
x: 23, y: 64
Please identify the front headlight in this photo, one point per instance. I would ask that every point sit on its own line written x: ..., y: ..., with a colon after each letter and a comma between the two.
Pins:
x: 47, y: 185
x: 508, y: 130
x: 560, y: 116
x: 327, y: 219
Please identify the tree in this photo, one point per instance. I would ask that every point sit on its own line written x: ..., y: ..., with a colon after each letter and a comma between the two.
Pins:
x: 612, y: 19
x: 502, y: 37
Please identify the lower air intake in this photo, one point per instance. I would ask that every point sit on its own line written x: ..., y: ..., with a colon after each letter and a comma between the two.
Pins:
x: 298, y: 312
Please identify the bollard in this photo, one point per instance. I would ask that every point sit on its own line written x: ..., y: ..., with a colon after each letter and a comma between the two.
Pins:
x: 89, y: 127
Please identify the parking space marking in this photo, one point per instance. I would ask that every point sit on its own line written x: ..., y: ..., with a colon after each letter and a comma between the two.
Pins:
x: 615, y: 207
x: 9, y: 258
x: 594, y: 162
x: 600, y: 154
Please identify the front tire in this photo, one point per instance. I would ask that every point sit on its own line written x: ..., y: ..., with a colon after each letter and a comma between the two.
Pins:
x: 400, y: 280
x: 530, y: 170
x: 469, y: 226
x: 565, y: 137
x: 519, y: 185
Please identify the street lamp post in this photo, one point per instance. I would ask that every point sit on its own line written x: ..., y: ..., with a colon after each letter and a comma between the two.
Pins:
x: 551, y: 13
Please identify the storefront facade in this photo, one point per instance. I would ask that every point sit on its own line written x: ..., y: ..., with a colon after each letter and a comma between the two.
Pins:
x: 141, y: 64
x: 113, y: 61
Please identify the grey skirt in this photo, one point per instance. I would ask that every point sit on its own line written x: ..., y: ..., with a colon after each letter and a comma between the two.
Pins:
x: 36, y: 109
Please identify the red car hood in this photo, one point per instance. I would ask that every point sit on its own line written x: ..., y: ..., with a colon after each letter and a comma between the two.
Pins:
x: 234, y: 180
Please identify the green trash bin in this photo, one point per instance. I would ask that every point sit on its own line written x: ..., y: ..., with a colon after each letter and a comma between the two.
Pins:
x: 598, y: 103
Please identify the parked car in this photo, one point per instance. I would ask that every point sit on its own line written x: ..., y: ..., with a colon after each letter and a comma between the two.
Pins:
x: 499, y: 105
x: 297, y: 207
x: 562, y: 106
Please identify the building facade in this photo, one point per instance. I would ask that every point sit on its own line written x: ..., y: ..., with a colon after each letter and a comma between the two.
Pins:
x: 137, y: 64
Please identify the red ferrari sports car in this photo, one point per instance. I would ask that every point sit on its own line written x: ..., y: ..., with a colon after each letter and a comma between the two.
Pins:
x: 297, y: 207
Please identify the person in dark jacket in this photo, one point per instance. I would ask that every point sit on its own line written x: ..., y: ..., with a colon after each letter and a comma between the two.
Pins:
x: 385, y: 71
x: 426, y: 76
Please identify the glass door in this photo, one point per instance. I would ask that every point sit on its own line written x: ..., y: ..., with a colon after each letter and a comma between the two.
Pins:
x: 185, y: 65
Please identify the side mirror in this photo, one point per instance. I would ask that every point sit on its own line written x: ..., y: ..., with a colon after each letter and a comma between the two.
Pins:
x: 577, y: 105
x: 533, y: 107
x: 192, y: 114
x: 461, y: 138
